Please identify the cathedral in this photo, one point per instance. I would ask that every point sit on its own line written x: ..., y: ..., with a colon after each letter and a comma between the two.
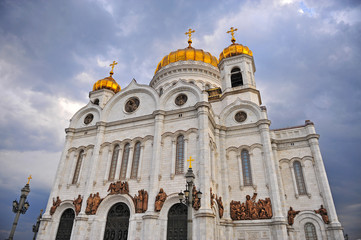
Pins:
x: 122, y: 170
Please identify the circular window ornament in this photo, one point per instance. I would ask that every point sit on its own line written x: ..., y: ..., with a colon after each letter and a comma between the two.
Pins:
x: 181, y: 99
x: 240, y: 116
x: 88, y: 119
x: 132, y: 105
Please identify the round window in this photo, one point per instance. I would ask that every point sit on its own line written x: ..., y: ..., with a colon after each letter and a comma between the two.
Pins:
x: 89, y: 118
x: 132, y: 105
x: 181, y: 99
x: 240, y: 116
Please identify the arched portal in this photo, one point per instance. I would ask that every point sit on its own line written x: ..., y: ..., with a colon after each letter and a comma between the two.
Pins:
x: 65, y: 225
x: 117, y: 222
x: 177, y: 222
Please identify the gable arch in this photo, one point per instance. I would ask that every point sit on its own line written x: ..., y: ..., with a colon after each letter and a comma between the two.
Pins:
x: 252, y: 110
x: 77, y: 121
x: 148, y: 102
x: 194, y: 95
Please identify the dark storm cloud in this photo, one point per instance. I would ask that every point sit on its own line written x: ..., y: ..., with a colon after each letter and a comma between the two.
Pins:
x: 307, y: 55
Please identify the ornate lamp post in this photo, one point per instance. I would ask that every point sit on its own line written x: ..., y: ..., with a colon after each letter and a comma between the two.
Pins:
x: 36, y: 226
x: 20, y: 207
x: 187, y: 197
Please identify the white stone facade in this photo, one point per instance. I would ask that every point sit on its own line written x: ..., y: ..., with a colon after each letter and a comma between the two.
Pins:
x: 212, y: 137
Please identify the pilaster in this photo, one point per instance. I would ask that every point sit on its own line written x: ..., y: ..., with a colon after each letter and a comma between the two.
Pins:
x: 280, y: 231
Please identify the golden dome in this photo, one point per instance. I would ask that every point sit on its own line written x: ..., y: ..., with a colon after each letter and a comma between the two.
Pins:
x: 186, y: 54
x: 108, y: 83
x: 233, y: 50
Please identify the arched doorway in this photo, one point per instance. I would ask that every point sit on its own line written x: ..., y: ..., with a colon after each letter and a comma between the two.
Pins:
x: 117, y: 222
x: 65, y: 225
x: 177, y: 222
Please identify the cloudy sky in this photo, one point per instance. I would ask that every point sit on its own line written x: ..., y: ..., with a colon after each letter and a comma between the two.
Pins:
x: 307, y: 55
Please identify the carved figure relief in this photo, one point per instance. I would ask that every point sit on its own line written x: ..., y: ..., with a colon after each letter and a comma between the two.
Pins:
x: 77, y: 204
x: 181, y: 99
x: 291, y: 216
x: 55, y: 205
x: 132, y: 105
x: 220, y: 206
x: 118, y: 188
x: 93, y: 203
x: 196, y: 200
x: 159, y: 200
x: 251, y: 210
x: 141, y: 201
x: 212, y: 195
x: 323, y: 212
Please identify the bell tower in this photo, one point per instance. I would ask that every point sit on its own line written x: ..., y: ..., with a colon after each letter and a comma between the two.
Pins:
x: 237, y: 68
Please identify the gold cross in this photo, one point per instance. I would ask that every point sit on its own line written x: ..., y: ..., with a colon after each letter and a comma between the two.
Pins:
x: 29, y: 179
x: 189, y: 33
x: 112, y: 65
x: 233, y: 40
x: 190, y: 160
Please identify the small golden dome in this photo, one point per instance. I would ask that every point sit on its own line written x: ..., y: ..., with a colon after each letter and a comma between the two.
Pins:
x: 186, y: 54
x: 108, y: 83
x: 233, y: 50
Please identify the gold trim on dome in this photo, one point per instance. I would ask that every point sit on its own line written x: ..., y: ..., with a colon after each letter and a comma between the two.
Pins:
x: 234, y: 50
x: 108, y: 83
x: 186, y: 54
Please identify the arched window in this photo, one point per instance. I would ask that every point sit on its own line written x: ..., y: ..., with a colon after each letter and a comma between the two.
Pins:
x: 236, y: 77
x: 78, y: 166
x: 160, y: 91
x: 65, y: 225
x: 135, y: 163
x: 123, y: 168
x: 246, y: 168
x: 300, y: 181
x: 179, y: 158
x: 96, y: 101
x: 310, y: 231
x: 113, y: 164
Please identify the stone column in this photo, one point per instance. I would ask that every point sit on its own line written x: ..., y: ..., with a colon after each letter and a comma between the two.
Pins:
x: 204, y: 216
x: 224, y: 173
x: 46, y: 221
x: 150, y: 217
x: 334, y: 227
x: 278, y: 172
x: 278, y: 218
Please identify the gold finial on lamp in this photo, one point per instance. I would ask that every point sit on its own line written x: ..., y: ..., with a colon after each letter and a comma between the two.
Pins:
x: 189, y: 33
x: 29, y: 179
x: 190, y: 160
x: 233, y: 40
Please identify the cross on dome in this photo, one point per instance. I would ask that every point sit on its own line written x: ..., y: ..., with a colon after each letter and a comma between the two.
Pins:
x: 189, y: 33
x: 233, y: 40
x: 112, y: 65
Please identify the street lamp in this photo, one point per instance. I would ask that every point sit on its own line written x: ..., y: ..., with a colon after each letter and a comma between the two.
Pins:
x: 36, y: 226
x: 187, y: 197
x: 20, y: 207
